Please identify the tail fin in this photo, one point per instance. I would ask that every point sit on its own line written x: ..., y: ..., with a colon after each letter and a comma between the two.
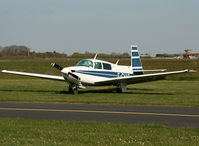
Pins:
x: 136, y: 61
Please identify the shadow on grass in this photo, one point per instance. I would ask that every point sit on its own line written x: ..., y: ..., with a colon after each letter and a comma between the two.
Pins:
x: 9, y: 90
x: 107, y: 91
x: 140, y: 89
x: 129, y: 91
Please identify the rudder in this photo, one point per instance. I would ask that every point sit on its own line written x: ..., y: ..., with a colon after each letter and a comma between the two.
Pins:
x: 136, y: 61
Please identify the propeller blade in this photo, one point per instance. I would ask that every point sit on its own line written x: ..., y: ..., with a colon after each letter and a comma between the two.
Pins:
x: 56, y: 66
x: 74, y: 76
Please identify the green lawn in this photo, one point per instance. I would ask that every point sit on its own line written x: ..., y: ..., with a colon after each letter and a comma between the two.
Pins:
x: 165, y: 92
x: 19, y: 132
x: 40, y: 65
x: 176, y: 90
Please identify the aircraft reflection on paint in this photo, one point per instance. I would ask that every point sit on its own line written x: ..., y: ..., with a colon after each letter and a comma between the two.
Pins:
x: 94, y: 72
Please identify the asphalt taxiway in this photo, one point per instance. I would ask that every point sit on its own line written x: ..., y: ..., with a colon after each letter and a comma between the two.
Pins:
x: 129, y: 114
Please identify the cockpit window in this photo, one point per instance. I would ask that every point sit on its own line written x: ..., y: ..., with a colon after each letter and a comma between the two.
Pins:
x: 107, y: 66
x: 87, y: 63
x: 98, y: 65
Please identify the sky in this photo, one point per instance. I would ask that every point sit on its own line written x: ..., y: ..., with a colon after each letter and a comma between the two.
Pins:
x: 100, y: 26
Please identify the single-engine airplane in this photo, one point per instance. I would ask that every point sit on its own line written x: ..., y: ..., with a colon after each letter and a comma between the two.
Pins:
x: 94, y: 72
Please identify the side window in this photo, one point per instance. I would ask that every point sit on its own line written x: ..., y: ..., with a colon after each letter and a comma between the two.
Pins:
x: 107, y: 66
x: 98, y: 65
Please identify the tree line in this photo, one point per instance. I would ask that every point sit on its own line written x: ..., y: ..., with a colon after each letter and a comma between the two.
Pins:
x: 23, y: 51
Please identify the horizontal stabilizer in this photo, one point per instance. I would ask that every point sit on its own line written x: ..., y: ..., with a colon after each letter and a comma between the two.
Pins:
x: 151, y: 70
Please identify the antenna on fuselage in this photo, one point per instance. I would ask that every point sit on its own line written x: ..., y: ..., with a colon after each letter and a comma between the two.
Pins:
x: 117, y: 61
x: 95, y: 56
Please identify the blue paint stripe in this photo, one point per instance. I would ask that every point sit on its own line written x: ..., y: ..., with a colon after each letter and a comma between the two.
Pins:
x: 138, y: 69
x: 134, y: 48
x: 136, y: 62
x: 135, y: 54
x: 102, y: 72
x: 99, y: 75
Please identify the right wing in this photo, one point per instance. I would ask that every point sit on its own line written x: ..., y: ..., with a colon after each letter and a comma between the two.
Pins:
x: 52, y: 77
x: 140, y: 78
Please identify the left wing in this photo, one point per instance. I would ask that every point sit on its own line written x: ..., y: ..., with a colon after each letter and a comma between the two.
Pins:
x: 140, y: 78
x: 52, y: 77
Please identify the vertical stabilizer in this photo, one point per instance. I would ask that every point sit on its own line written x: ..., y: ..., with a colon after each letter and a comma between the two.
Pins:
x: 136, y: 61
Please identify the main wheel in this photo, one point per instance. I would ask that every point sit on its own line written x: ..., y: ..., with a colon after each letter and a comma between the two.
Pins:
x: 121, y: 88
x: 75, y: 89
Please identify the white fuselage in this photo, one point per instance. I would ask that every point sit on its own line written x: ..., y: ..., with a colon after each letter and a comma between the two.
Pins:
x: 90, y: 75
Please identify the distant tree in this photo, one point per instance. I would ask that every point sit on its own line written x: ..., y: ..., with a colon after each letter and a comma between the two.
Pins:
x: 15, y: 51
x: 0, y: 51
x: 125, y: 55
x: 76, y: 54
x: 53, y: 54
x: 167, y: 55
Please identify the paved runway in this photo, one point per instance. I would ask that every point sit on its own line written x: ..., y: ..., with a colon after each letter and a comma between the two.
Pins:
x: 165, y: 115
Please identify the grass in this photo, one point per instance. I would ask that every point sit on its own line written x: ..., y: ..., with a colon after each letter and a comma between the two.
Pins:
x: 41, y: 65
x: 166, y: 92
x: 42, y: 132
x: 177, y: 90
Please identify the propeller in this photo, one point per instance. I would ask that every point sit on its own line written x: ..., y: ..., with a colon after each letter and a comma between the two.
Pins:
x: 74, y: 76
x: 69, y: 72
x: 57, y: 66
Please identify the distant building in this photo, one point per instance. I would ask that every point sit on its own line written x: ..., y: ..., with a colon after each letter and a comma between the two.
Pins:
x: 145, y: 55
x: 191, y: 55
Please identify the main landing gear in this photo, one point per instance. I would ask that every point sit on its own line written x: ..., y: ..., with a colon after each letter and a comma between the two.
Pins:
x: 73, y: 88
x: 121, y: 88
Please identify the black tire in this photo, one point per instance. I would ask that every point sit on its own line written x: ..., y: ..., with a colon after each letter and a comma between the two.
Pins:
x: 75, y: 89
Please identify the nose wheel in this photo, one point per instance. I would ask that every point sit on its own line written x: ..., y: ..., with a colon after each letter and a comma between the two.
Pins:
x: 73, y: 88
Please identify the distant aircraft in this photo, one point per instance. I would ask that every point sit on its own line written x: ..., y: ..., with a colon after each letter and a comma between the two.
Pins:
x: 94, y: 72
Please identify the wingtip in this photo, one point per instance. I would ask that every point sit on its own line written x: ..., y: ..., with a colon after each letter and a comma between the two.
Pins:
x: 4, y: 70
x: 192, y: 71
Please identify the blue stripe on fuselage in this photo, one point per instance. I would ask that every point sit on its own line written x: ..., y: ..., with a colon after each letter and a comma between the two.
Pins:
x: 99, y: 75
x: 105, y: 74
x: 140, y: 69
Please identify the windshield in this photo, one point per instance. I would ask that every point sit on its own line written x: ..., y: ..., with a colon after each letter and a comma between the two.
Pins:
x: 86, y: 63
